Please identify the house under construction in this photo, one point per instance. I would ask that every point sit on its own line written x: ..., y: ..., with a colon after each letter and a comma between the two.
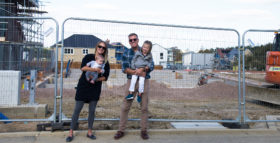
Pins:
x: 21, y: 40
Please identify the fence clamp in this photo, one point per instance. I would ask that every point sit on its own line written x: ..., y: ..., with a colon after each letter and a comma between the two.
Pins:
x: 58, y: 97
x: 59, y: 45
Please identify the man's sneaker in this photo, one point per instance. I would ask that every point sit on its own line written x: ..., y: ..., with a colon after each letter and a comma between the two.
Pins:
x: 129, y: 97
x: 139, y: 98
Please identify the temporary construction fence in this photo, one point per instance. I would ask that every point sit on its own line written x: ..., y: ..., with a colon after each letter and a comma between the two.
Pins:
x: 177, y: 92
x: 260, y: 77
x: 27, y: 64
x: 174, y: 94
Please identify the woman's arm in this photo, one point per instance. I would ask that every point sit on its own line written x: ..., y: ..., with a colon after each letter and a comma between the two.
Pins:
x: 106, y: 73
x: 101, y: 78
x: 86, y: 68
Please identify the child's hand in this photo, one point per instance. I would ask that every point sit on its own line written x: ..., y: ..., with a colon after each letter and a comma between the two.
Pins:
x: 146, y: 68
x: 142, y: 74
x: 139, y: 71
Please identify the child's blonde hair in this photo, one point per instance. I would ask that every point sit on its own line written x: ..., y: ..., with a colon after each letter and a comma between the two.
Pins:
x: 150, y: 44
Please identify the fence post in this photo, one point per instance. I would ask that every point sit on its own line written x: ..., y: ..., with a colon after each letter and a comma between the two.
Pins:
x: 33, y: 76
x: 239, y: 117
x: 53, y: 118
x: 245, y: 118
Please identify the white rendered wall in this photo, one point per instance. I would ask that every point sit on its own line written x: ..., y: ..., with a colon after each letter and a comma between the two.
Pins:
x: 201, y: 59
x: 10, y: 87
x: 187, y: 59
x: 156, y: 50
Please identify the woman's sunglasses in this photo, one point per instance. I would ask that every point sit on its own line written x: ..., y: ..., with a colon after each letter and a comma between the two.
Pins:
x: 101, y: 47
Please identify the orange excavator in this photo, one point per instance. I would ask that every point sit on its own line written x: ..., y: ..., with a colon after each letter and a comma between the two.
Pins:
x: 273, y: 62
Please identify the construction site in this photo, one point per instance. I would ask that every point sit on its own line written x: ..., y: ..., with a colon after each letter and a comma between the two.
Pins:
x: 231, y: 86
x: 22, y: 40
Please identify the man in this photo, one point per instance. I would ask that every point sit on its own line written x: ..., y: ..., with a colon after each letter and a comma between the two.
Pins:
x: 126, y: 62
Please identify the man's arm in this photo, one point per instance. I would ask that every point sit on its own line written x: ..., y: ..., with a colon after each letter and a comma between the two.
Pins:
x: 129, y: 71
x: 126, y: 65
x: 150, y: 67
x: 133, y: 61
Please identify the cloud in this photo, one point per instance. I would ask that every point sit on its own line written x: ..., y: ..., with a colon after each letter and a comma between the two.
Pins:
x: 258, y: 1
x: 252, y: 12
x: 236, y: 14
x: 101, y: 6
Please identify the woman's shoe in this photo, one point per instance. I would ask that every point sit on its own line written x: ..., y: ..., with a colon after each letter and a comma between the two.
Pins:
x: 69, y: 139
x: 91, y: 137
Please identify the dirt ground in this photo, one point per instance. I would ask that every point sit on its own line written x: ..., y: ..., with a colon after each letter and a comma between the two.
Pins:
x: 254, y: 75
x: 214, y: 101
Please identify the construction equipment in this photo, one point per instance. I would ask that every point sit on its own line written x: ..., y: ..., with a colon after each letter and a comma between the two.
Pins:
x: 269, y: 92
x: 273, y: 62
x: 203, y: 79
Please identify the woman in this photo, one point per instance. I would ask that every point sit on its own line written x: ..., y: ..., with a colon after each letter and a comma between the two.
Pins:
x: 88, y: 92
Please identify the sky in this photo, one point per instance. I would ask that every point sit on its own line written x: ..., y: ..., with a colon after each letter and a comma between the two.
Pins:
x: 237, y: 14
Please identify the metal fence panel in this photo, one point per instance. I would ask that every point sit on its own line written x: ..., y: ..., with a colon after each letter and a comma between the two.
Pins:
x: 28, y: 64
x: 260, y: 76
x: 174, y: 91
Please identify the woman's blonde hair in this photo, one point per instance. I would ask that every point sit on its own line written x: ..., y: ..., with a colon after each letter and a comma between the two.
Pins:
x: 105, y: 54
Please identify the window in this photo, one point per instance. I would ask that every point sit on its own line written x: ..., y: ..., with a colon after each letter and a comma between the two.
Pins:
x: 161, y: 56
x: 85, y: 51
x: 69, y: 51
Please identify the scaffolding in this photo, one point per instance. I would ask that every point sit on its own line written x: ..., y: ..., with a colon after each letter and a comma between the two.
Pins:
x: 22, y: 40
x: 120, y: 48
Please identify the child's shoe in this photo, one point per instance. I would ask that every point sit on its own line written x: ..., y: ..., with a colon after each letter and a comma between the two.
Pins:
x: 129, y: 97
x: 139, y: 98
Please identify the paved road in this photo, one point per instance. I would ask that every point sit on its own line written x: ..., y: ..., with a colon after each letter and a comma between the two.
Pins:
x: 156, y: 136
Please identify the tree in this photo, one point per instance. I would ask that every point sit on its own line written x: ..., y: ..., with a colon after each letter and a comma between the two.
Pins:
x: 177, y: 54
x: 257, y: 61
x: 207, y: 51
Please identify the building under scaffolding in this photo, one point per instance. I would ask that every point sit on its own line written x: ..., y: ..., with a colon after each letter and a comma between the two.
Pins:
x: 21, y: 41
